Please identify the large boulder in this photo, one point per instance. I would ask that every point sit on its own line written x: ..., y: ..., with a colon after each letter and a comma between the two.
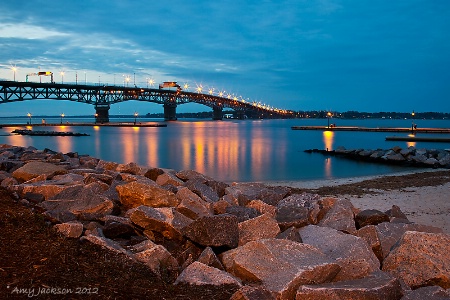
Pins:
x: 209, y: 258
x: 137, y: 193
x: 376, y: 286
x: 35, y: 168
x: 242, y: 213
x: 297, y: 210
x: 428, y: 293
x: 166, y: 221
x: 93, y: 208
x: 390, y: 233
x: 340, y: 217
x: 199, y: 187
x: 201, y: 275
x: 214, y: 231
x: 160, y: 261
x: 246, y: 192
x: 352, y: 253
x: 370, y: 217
x: 281, y: 266
x: 262, y: 227
x: 191, y: 205
x: 421, y: 259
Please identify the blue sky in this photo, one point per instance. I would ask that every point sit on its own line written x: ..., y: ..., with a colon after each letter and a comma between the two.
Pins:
x: 300, y: 55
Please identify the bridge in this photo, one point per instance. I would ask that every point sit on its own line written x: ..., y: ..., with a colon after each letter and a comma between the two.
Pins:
x: 103, y: 96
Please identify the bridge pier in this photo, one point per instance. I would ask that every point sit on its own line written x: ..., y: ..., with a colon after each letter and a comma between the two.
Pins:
x: 170, y: 112
x: 102, y: 114
x: 217, y: 112
x: 240, y: 114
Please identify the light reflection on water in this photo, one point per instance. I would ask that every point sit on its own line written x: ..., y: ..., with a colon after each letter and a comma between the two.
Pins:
x: 225, y: 150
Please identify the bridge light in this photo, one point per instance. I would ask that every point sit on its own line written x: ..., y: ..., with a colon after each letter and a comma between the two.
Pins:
x: 185, y: 86
x: 135, y: 116
x: 62, y: 116
x: 14, y: 69
x: 211, y: 91
x: 220, y: 94
x: 29, y: 116
x: 62, y: 76
x: 199, y: 89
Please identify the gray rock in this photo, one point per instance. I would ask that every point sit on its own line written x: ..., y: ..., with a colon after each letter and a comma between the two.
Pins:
x: 428, y: 293
x: 200, y: 188
x: 297, y: 210
x: 281, y: 266
x: 421, y: 259
x: 376, y: 286
x: 242, y: 213
x: 246, y: 192
x: 290, y: 234
x: 214, y: 231
x: 352, y: 254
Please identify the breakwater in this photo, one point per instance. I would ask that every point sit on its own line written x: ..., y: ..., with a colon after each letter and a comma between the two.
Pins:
x: 412, y: 157
x: 173, y: 223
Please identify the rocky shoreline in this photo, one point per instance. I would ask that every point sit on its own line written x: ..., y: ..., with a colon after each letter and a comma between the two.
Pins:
x: 262, y: 242
x: 422, y: 158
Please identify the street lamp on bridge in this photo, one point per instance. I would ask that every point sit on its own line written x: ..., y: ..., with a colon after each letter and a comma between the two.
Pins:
x: 29, y: 116
x: 62, y: 116
x: 14, y: 69
x: 62, y: 77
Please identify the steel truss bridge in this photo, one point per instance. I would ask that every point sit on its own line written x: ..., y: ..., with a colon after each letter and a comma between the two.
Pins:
x: 103, y: 96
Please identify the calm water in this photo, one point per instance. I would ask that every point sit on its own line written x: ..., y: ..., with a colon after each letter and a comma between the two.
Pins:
x: 232, y: 150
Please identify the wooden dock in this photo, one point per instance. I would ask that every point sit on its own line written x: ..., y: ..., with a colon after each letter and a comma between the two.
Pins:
x: 373, y: 129
x: 115, y: 124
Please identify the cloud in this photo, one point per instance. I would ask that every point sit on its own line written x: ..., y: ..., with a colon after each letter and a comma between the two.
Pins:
x: 27, y: 31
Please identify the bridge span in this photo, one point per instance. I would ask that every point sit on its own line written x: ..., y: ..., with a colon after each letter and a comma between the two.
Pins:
x: 103, y: 96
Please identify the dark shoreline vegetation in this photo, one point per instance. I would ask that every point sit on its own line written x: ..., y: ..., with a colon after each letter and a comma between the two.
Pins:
x: 320, y: 114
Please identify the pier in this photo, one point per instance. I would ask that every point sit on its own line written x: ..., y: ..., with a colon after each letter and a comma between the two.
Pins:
x: 373, y: 129
x: 115, y: 124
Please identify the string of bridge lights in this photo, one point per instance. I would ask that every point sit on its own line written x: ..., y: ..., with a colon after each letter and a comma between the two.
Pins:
x: 150, y: 82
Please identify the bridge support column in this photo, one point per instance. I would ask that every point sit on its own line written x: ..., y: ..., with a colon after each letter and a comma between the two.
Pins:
x: 102, y: 114
x: 170, y: 112
x: 240, y: 114
x: 217, y: 112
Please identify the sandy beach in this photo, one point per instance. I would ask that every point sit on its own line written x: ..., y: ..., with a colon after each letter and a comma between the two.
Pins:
x: 423, y: 195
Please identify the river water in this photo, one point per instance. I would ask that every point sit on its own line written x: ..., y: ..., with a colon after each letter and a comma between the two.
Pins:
x: 229, y: 150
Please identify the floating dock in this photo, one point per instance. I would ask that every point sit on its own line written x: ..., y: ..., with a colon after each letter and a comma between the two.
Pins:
x: 47, y: 133
x: 115, y: 124
x: 373, y: 129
